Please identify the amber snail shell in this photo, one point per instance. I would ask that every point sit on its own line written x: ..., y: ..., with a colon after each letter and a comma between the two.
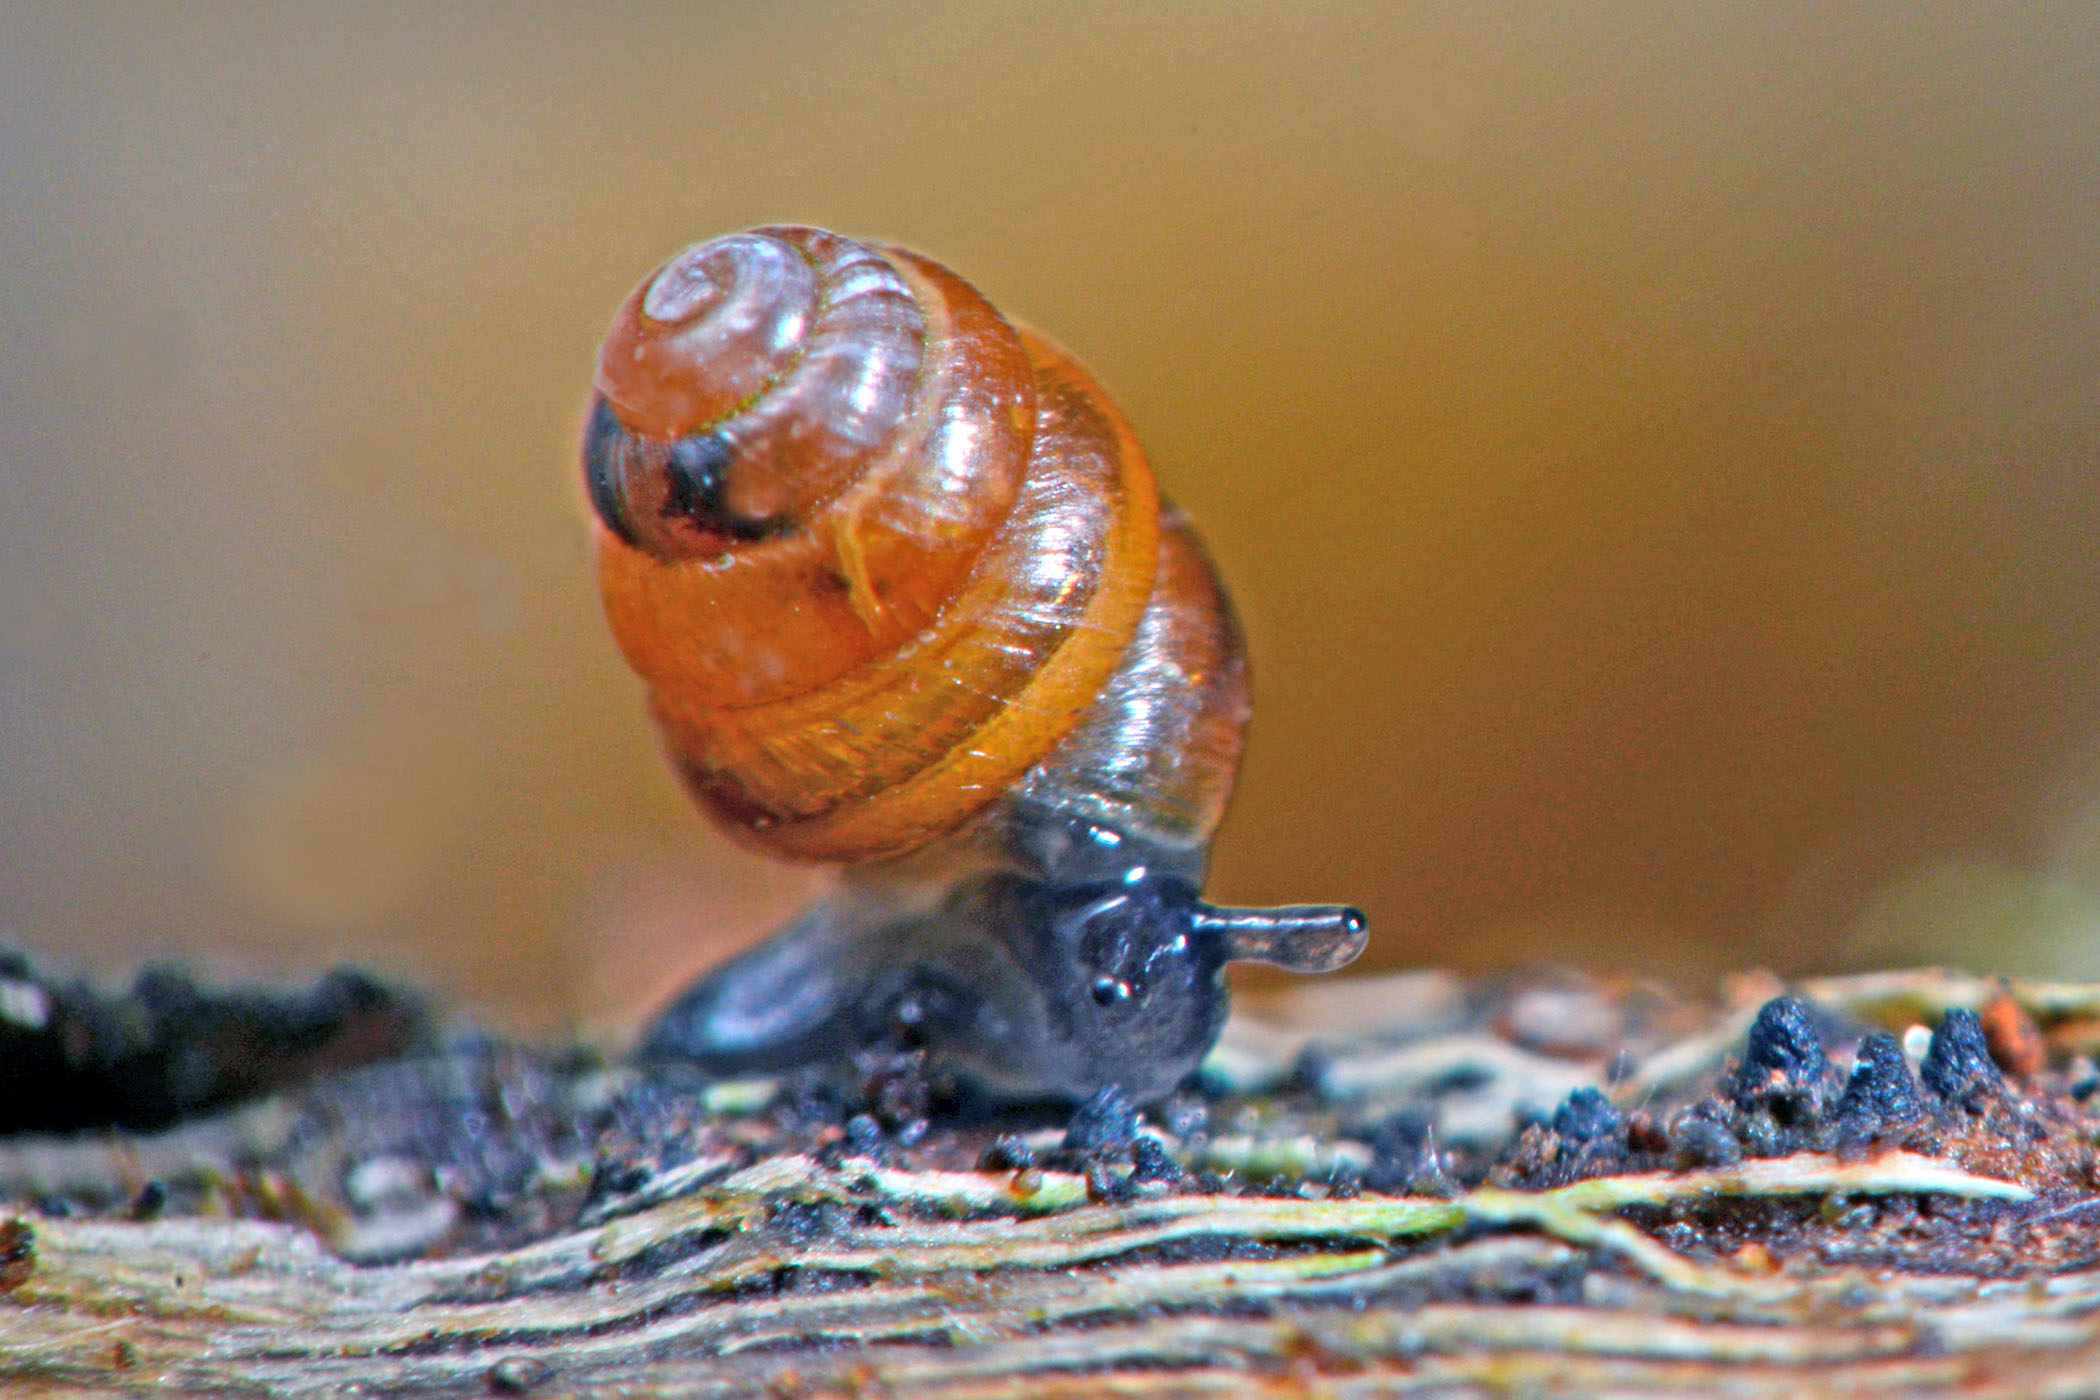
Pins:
x: 896, y: 572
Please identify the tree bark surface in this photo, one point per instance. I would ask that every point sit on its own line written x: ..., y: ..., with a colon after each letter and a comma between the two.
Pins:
x: 1258, y: 1262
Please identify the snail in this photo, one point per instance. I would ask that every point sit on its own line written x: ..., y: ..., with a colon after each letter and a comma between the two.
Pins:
x: 906, y: 600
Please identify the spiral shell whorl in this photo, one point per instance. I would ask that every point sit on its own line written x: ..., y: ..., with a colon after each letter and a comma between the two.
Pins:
x: 794, y: 357
x: 840, y: 502
x: 873, y: 550
x: 714, y: 326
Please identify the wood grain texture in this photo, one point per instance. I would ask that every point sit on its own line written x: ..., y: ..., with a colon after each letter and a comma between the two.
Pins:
x: 785, y: 1274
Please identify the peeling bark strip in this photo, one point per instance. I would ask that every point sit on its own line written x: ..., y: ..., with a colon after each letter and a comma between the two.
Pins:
x: 719, y: 1285
x: 1946, y: 1248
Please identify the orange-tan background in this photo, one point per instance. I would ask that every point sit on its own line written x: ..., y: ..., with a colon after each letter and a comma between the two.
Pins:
x: 1656, y: 449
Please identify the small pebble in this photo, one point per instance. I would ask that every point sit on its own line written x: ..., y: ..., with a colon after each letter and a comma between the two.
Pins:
x: 519, y: 1375
x: 1644, y: 1134
x: 864, y: 1135
x: 151, y: 1200
x: 1701, y: 1142
x: 1008, y: 1153
x: 2082, y: 1079
x: 1106, y: 1187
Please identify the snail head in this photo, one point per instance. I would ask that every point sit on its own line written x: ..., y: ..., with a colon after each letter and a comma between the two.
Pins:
x: 1121, y: 982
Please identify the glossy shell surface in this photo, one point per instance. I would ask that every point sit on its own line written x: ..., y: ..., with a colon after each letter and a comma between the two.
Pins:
x: 885, y: 560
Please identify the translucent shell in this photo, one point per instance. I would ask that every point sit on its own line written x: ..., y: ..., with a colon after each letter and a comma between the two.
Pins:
x: 884, y: 559
x: 864, y: 423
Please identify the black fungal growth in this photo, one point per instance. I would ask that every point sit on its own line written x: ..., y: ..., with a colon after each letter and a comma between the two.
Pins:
x: 1587, y: 1116
x: 1784, y: 1068
x: 1780, y: 1097
x: 1105, y: 1123
x: 73, y: 1056
x: 1958, y: 1065
x: 1404, y: 1156
x: 1150, y: 1161
x: 1881, y: 1098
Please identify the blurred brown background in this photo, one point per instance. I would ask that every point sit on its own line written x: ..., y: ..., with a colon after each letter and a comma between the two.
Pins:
x: 1655, y: 449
